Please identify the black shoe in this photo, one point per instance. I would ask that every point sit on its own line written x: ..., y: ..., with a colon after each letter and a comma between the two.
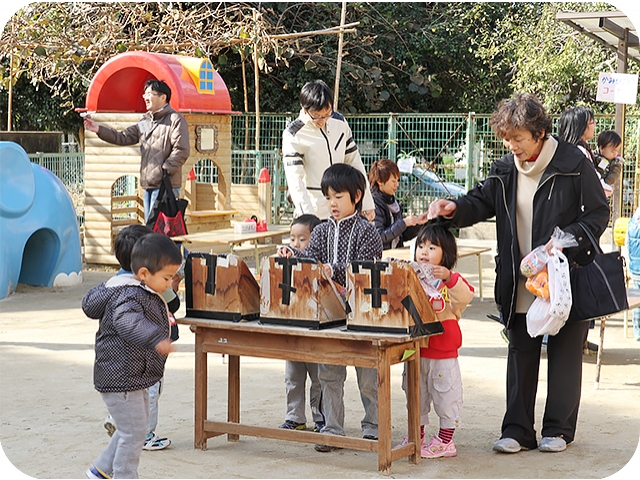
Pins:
x: 370, y: 437
x: 326, y: 448
x: 319, y: 426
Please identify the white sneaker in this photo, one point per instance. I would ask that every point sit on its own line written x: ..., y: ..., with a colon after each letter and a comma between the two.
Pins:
x: 552, y: 444
x: 507, y: 445
x: 109, y: 425
x: 153, y: 442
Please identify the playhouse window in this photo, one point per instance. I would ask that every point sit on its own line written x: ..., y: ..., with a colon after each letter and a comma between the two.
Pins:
x: 206, y: 171
x: 206, y: 77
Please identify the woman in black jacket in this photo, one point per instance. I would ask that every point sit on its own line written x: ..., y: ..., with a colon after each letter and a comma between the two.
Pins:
x: 543, y: 183
x: 394, y: 230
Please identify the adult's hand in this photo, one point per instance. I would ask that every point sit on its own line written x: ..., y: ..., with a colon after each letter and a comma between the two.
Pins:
x: 369, y: 214
x: 90, y: 125
x: 441, y: 207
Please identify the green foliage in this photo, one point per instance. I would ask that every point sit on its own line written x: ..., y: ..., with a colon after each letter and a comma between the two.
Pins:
x: 403, y: 57
x: 559, y: 64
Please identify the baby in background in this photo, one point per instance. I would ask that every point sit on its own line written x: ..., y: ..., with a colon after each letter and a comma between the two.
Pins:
x: 608, y: 160
x: 296, y: 372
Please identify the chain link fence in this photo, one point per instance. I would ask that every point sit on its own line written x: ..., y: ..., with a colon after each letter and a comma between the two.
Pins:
x: 450, y: 154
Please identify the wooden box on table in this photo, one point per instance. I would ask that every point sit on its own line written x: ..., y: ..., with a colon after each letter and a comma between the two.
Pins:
x: 297, y: 292
x: 220, y: 287
x: 386, y: 296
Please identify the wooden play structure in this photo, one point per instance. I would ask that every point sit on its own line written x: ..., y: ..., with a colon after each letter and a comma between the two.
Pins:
x: 115, y: 99
x: 221, y: 287
x: 298, y: 292
x: 388, y: 297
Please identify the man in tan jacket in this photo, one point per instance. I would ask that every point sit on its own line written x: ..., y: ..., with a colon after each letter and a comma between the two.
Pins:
x: 163, y: 135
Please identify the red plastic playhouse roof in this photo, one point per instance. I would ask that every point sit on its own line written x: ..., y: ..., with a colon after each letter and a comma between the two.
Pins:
x: 195, y: 85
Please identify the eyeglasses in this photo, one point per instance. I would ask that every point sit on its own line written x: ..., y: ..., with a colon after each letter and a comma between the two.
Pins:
x: 150, y: 94
x: 316, y: 119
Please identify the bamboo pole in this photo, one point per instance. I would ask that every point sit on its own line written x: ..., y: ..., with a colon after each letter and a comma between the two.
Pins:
x: 256, y: 80
x: 339, y: 62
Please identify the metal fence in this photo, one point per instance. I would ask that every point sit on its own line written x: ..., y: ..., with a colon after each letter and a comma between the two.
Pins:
x: 459, y: 148
x: 69, y: 168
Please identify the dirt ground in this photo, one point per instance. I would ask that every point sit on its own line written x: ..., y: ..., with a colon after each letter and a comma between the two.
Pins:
x: 51, y: 416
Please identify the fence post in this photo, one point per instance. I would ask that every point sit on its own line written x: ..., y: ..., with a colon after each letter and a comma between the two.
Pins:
x: 471, y: 137
x: 392, y: 140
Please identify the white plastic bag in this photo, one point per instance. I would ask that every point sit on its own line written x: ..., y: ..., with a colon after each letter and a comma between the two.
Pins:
x: 549, y: 316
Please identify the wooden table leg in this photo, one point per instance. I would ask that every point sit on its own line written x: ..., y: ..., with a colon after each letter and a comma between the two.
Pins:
x: 200, y: 400
x: 413, y: 401
x: 480, y: 275
x: 384, y: 412
x: 233, y: 407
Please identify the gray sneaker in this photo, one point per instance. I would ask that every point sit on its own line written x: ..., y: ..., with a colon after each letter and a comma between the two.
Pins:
x: 507, y: 445
x: 552, y: 444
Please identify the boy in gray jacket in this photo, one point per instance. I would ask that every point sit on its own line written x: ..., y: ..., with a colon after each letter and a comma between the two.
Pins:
x: 132, y: 344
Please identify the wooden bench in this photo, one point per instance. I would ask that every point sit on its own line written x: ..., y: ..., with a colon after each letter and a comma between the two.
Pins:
x: 208, y: 220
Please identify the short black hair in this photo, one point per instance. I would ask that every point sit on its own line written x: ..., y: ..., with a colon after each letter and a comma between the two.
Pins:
x: 341, y: 177
x: 316, y: 96
x: 443, y: 238
x: 609, y: 137
x: 308, y: 220
x: 159, y: 86
x: 154, y: 251
x: 124, y: 242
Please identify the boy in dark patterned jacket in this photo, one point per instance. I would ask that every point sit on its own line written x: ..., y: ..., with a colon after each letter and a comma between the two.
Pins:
x: 132, y: 344
x: 346, y: 236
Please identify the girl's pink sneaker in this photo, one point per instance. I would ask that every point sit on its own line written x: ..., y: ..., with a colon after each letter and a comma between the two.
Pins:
x: 436, y: 449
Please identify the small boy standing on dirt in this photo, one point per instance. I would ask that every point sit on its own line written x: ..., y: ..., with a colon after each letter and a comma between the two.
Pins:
x: 132, y: 345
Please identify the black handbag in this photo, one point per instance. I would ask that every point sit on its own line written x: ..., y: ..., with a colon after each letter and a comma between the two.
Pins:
x: 167, y: 214
x: 598, y: 288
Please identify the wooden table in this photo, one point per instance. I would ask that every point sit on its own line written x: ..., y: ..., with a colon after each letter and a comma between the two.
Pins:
x: 463, y: 251
x: 226, y: 236
x: 334, y: 346
x: 633, y: 299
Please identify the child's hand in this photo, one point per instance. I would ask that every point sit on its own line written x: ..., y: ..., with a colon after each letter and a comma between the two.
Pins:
x: 327, y: 269
x: 165, y: 347
x: 284, y: 252
x: 443, y: 273
x: 415, y: 220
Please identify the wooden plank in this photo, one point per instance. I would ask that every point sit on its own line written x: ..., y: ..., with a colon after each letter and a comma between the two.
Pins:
x: 233, y: 406
x: 293, y: 435
x: 200, y: 388
x: 384, y: 413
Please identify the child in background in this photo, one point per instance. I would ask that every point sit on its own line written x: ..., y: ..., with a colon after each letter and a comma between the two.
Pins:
x: 608, y: 160
x: 633, y: 244
x: 122, y: 247
x: 440, y: 379
x: 346, y: 236
x: 132, y: 344
x: 296, y: 372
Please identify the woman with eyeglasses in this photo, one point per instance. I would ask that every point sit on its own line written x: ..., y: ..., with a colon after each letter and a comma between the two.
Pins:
x: 317, y: 139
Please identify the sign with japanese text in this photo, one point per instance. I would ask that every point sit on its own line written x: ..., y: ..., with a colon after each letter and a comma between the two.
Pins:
x: 617, y: 88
